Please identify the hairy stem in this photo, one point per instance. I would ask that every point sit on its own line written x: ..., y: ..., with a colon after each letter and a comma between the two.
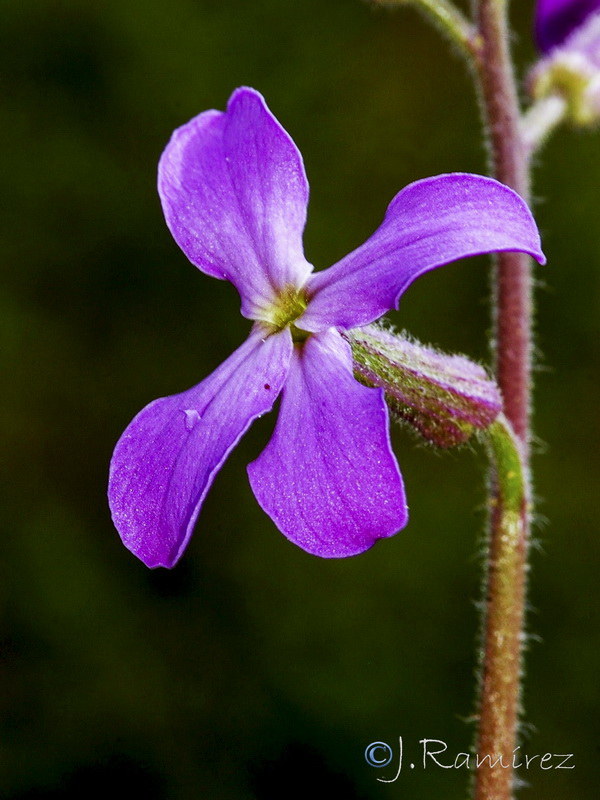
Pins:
x: 510, y: 165
x: 503, y: 635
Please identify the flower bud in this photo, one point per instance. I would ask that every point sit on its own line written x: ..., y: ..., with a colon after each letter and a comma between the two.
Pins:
x: 572, y: 70
x: 444, y: 397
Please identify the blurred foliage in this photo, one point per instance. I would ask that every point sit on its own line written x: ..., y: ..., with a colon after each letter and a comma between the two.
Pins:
x: 253, y: 670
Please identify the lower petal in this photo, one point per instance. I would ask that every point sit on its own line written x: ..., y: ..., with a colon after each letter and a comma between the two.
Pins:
x: 166, y: 460
x: 328, y: 477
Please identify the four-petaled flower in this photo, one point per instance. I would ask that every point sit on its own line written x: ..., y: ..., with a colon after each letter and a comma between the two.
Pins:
x: 234, y: 194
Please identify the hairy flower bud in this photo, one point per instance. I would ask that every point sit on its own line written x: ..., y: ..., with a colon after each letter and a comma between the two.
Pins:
x: 444, y: 397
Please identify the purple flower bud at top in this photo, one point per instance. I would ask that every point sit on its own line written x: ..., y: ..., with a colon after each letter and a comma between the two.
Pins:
x: 568, y: 33
x: 444, y: 397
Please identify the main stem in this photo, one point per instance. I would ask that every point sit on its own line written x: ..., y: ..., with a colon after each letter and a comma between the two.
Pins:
x: 510, y: 166
x: 505, y: 602
x: 509, y: 528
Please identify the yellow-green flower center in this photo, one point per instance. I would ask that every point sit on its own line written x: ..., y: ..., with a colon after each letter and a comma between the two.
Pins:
x: 290, y: 305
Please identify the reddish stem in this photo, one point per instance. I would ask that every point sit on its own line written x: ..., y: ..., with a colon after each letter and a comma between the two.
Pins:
x: 507, y: 557
x: 513, y: 308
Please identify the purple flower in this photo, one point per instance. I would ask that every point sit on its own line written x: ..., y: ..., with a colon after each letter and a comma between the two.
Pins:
x: 568, y: 34
x: 234, y: 194
x: 556, y: 20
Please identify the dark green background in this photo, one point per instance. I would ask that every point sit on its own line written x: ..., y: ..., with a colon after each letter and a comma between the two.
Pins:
x: 254, y: 670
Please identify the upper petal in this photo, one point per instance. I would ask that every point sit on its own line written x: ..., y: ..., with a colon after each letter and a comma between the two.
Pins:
x: 428, y: 224
x: 234, y: 193
x: 555, y: 20
x: 166, y: 460
x: 328, y: 477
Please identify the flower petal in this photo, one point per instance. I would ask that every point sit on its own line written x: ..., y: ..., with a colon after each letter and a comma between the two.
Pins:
x: 555, y: 20
x: 428, y: 224
x: 166, y: 460
x: 234, y: 193
x: 328, y: 477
